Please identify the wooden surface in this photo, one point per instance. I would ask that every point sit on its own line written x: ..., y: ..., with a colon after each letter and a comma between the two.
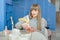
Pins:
x: 58, y: 17
x: 53, y: 1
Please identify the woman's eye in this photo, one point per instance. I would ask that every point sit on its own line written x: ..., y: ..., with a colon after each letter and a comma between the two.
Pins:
x: 35, y: 9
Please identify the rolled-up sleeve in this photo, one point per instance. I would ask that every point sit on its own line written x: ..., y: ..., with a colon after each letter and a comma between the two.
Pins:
x: 18, y: 24
x: 43, y: 23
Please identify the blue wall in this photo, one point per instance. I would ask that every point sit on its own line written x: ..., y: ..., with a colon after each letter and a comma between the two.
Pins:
x: 51, y: 16
x: 6, y: 10
x: 22, y: 7
x: 8, y: 13
x: 2, y: 5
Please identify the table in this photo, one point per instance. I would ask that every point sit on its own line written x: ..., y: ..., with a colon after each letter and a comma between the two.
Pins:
x: 16, y: 35
x: 2, y: 36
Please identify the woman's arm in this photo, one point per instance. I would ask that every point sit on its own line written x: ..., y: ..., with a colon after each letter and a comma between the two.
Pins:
x: 26, y: 17
x: 43, y: 23
x: 19, y: 24
x: 21, y: 21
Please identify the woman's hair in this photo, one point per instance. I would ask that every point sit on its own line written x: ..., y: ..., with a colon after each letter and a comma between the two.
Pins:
x: 36, y: 7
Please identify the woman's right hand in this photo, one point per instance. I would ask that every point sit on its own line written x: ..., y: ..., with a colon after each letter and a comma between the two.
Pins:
x: 24, y: 25
x: 28, y: 28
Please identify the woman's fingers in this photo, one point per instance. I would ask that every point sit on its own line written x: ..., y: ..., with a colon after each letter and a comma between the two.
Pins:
x: 33, y: 29
x: 24, y: 25
x: 28, y: 28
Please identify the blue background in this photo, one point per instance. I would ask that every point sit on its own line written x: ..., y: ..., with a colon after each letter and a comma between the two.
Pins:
x: 20, y: 8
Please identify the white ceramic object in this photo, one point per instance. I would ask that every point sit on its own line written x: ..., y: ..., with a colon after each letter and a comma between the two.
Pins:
x: 16, y: 32
x: 16, y: 35
x: 38, y: 36
x: 34, y: 36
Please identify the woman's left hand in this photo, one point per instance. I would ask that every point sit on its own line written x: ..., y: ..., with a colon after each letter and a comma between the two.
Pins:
x: 33, y: 29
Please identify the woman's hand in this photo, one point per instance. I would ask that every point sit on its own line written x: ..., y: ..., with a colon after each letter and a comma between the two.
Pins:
x: 33, y: 29
x: 28, y: 28
x: 25, y: 25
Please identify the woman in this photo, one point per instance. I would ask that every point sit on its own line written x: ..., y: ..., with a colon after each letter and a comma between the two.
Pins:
x: 36, y: 22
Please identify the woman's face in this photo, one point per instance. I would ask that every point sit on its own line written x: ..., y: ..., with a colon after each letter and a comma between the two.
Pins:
x: 34, y: 13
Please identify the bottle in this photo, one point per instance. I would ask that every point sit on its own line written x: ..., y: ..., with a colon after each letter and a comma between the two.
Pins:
x: 12, y: 22
x: 6, y: 31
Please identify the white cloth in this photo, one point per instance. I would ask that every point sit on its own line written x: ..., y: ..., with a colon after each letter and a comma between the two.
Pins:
x: 32, y: 36
x: 38, y: 36
x: 16, y: 35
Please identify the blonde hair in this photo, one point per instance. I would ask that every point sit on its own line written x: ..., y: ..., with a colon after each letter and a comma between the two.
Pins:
x: 36, y: 7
